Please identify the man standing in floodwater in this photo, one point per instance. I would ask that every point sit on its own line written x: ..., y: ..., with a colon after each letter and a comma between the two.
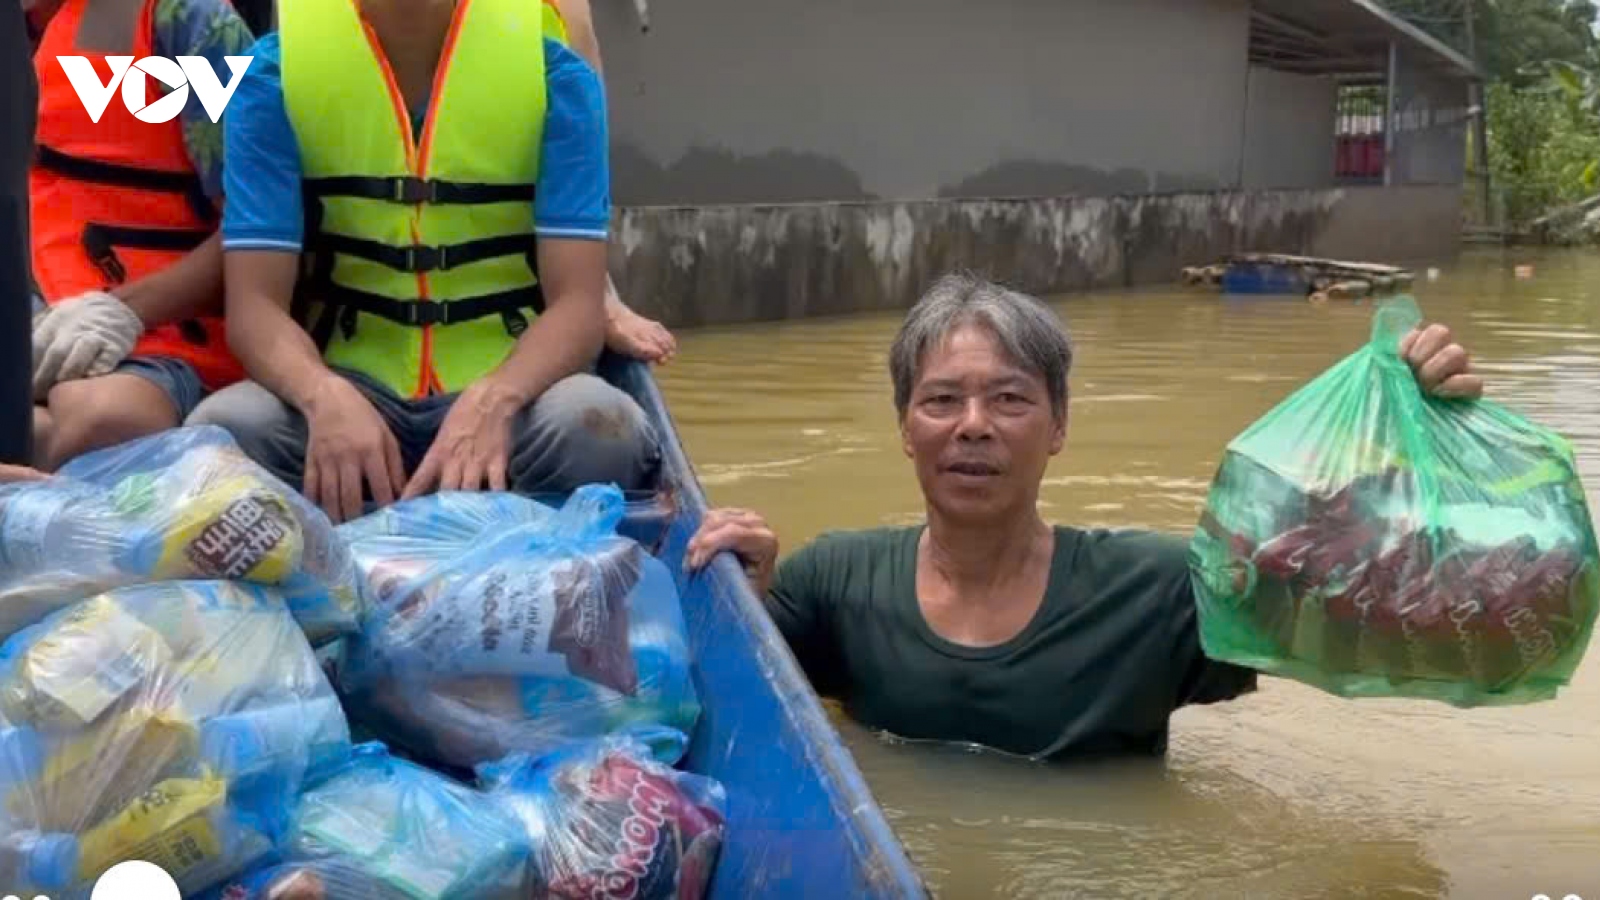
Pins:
x: 987, y: 625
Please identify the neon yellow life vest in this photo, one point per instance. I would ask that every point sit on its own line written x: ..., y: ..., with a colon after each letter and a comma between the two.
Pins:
x: 423, y: 250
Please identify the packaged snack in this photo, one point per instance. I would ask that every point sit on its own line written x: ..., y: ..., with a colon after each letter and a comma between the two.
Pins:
x: 184, y: 504
x: 606, y: 818
x: 173, y: 723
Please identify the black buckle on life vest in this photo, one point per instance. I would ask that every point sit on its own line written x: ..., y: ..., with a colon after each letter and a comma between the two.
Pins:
x: 97, y: 244
x: 423, y: 313
x: 412, y: 191
x: 413, y: 258
x: 516, y: 323
x: 422, y: 258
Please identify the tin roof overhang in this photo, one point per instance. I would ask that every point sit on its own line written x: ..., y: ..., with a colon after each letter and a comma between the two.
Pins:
x: 1343, y: 37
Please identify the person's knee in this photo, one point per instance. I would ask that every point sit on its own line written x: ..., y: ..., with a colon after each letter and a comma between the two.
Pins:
x: 94, y: 413
x: 583, y: 431
x: 246, y: 410
x: 257, y: 420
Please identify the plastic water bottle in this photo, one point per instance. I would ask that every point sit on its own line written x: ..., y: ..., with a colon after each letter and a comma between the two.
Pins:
x: 659, y: 642
x: 449, y: 517
x: 32, y: 858
x: 21, y: 760
x: 197, y: 849
x: 44, y: 527
x: 291, y: 735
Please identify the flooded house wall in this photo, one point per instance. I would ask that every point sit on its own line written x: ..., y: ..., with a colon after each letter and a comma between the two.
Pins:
x: 1289, y: 130
x: 715, y: 265
x: 783, y: 161
x: 734, y: 102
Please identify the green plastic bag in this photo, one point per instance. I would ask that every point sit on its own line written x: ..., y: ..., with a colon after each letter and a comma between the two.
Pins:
x: 1375, y: 541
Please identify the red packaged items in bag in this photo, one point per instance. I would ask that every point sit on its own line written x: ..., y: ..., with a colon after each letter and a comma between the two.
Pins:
x: 1373, y: 541
x: 606, y: 818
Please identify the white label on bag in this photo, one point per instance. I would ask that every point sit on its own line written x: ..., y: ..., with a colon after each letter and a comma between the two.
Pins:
x: 514, y: 621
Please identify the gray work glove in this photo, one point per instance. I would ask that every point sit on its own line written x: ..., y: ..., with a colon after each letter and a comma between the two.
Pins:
x: 82, y: 337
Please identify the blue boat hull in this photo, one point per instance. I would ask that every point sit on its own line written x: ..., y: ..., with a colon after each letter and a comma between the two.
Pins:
x: 802, y: 822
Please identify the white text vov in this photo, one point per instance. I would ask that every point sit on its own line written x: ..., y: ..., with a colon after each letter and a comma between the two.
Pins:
x: 179, y: 74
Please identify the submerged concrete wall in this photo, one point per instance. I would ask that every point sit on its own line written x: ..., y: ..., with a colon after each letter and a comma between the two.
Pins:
x: 719, y: 265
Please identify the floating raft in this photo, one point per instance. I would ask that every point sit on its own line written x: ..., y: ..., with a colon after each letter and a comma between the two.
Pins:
x: 1316, y: 279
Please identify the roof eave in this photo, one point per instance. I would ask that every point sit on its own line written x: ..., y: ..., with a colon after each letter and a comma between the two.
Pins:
x: 1445, y: 51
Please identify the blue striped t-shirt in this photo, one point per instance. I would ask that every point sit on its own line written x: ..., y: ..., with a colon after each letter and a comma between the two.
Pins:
x: 262, y: 171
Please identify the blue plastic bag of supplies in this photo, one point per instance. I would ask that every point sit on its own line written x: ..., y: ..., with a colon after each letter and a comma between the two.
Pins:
x: 606, y: 818
x: 448, y: 518
x: 172, y: 723
x: 515, y: 628
x: 183, y: 504
x: 377, y: 826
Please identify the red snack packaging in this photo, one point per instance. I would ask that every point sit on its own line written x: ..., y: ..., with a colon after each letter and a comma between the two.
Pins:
x: 606, y: 818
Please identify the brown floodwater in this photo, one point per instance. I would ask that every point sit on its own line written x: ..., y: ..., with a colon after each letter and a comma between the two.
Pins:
x: 1288, y: 792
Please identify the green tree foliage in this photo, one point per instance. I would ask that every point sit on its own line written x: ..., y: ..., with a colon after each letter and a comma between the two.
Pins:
x: 1543, y: 149
x: 1515, y: 38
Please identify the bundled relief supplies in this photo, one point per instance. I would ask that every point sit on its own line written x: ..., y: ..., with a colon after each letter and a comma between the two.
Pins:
x: 1372, y: 540
x: 456, y: 518
x: 172, y: 723
x: 377, y: 827
x: 605, y: 818
x: 183, y: 504
x: 523, y: 630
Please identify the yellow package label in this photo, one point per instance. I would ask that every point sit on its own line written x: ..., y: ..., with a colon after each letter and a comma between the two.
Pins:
x: 169, y: 825
x: 94, y: 656
x: 234, y: 530
x: 102, y: 768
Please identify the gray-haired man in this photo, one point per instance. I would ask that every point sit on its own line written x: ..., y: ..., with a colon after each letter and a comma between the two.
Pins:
x: 988, y: 625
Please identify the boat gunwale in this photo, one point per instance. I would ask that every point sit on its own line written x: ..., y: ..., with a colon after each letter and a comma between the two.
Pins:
x: 878, y: 849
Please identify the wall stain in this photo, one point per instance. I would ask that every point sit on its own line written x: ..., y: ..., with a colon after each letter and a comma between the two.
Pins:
x: 715, y: 175
x: 1034, y: 178
x: 729, y: 264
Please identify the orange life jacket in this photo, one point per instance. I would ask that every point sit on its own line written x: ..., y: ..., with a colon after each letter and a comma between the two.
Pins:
x: 116, y: 200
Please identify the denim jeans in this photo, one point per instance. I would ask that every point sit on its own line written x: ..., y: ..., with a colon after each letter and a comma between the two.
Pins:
x: 580, y: 431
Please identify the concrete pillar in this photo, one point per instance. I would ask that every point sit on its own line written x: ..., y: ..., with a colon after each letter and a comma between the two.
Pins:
x: 1390, y: 119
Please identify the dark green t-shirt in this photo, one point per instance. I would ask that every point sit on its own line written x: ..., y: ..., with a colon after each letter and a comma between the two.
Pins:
x: 1113, y: 650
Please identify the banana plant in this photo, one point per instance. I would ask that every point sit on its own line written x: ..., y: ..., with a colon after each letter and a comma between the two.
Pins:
x: 1580, y: 86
